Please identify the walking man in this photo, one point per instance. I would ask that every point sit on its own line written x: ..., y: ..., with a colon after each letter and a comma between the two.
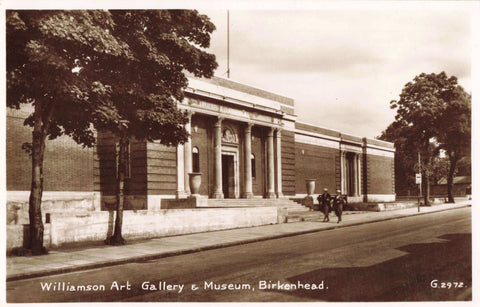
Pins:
x: 324, y: 202
x: 338, y: 203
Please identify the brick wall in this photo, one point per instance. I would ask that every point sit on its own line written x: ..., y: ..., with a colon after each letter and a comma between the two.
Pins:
x: 315, y: 162
x: 288, y: 163
x: 67, y: 165
x: 258, y: 149
x: 106, y: 172
x: 338, y: 171
x: 161, y: 169
x: 200, y: 139
x: 380, y: 175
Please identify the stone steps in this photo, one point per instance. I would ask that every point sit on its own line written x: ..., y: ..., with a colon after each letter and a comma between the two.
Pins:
x: 257, y: 202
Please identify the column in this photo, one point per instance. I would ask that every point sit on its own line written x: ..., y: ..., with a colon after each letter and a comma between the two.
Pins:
x: 270, y: 165
x: 278, y: 143
x: 188, y: 153
x: 248, y: 161
x: 218, y: 190
x: 355, y: 175
x: 180, y: 172
x: 359, y: 173
x: 343, y: 171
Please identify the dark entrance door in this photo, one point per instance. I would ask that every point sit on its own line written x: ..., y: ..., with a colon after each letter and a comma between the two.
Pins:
x: 350, y: 174
x: 228, y: 180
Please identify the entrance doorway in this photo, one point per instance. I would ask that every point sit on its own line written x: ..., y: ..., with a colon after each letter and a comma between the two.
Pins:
x: 351, y: 174
x: 228, y: 176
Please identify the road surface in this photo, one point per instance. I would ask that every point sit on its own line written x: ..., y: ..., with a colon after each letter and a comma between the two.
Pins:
x: 420, y: 258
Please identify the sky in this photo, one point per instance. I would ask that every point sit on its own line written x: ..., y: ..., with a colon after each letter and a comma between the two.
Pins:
x: 343, y: 65
x: 341, y: 61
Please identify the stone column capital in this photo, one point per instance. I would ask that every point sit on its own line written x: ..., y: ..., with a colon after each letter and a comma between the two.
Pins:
x: 218, y: 122
x: 189, y: 114
x: 270, y: 131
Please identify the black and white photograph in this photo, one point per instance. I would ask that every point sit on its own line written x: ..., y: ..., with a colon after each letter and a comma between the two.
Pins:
x: 228, y: 152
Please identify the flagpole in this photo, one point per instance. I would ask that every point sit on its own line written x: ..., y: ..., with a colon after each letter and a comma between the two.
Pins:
x: 228, y: 43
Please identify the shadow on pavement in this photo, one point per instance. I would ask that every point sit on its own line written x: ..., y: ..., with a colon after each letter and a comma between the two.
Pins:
x: 406, y: 278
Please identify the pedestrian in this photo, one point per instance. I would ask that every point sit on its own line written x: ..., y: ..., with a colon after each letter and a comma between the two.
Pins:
x: 338, y: 203
x: 324, y: 202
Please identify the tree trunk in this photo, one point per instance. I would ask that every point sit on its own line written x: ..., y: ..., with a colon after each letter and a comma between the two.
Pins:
x: 426, y: 163
x: 35, y: 201
x: 117, y: 238
x: 426, y: 187
x: 451, y: 172
x: 36, y: 190
x: 427, y: 191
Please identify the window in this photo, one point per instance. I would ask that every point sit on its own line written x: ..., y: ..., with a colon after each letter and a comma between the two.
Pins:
x: 195, y: 160
x: 254, y: 172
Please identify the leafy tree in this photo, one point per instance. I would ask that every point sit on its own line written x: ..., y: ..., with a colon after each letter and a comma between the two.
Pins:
x: 405, y: 157
x: 433, y: 113
x: 440, y: 168
x: 454, y: 129
x: 464, y: 165
x: 90, y: 70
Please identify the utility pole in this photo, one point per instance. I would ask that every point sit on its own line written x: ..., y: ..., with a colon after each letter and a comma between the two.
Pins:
x: 420, y: 185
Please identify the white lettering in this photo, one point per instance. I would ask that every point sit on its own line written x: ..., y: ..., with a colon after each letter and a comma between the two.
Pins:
x: 269, y: 285
x: 46, y: 286
x: 121, y: 287
x: 67, y: 287
x: 210, y: 285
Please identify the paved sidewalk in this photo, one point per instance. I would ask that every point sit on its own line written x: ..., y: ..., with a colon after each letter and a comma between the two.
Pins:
x: 69, y: 260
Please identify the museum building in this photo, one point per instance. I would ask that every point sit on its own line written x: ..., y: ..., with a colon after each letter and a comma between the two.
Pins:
x: 245, y: 143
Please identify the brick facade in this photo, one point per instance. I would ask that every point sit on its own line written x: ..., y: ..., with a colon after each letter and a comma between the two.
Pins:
x: 258, y: 150
x: 315, y: 162
x: 161, y: 169
x: 380, y: 178
x: 202, y: 139
x: 307, y: 152
x: 288, y: 163
x: 67, y: 165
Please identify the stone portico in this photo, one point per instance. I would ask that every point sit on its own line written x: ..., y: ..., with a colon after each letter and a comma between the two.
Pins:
x: 235, y: 143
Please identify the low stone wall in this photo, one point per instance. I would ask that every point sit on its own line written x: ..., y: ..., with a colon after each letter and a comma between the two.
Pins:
x: 67, y: 228
x: 18, y: 235
x: 380, y: 206
x: 381, y: 198
x: 184, y: 203
x: 52, y: 202
x: 131, y: 202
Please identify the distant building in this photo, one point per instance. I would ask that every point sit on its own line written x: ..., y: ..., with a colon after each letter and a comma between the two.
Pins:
x: 462, y: 186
